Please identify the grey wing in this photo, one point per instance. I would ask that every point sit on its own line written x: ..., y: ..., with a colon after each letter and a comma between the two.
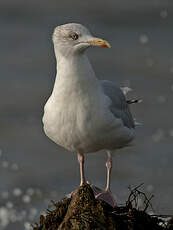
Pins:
x: 119, y: 106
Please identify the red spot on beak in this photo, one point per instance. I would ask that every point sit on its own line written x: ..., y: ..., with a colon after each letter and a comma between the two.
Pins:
x: 104, y: 46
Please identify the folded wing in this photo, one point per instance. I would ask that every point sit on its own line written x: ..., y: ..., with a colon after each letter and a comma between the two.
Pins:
x: 119, y: 106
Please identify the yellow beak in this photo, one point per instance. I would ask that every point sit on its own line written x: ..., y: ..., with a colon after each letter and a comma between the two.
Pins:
x: 99, y: 42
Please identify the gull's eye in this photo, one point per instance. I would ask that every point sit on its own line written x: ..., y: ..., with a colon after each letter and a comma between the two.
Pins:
x: 74, y: 36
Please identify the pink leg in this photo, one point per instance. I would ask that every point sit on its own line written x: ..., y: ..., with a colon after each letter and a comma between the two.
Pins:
x: 106, y: 195
x: 81, y: 162
x: 109, y: 167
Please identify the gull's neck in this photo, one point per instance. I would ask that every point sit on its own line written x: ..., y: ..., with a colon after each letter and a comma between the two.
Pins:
x: 74, y: 71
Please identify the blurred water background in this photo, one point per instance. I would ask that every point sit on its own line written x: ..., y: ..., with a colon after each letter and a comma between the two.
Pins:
x: 33, y: 170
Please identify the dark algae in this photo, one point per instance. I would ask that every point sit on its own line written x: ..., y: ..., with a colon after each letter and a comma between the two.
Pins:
x: 84, y: 212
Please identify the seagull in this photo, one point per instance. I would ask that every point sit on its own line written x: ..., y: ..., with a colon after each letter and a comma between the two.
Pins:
x: 85, y: 114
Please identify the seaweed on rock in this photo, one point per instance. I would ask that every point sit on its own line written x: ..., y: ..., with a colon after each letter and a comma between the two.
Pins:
x: 84, y: 212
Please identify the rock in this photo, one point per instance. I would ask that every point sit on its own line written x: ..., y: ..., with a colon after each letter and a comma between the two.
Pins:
x: 84, y: 212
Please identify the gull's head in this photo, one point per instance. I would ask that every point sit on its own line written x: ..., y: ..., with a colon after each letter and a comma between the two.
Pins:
x: 75, y: 38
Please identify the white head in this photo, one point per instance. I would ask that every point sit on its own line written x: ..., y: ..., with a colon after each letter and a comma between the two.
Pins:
x: 73, y: 38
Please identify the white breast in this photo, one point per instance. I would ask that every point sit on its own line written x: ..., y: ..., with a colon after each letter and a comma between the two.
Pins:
x: 72, y: 120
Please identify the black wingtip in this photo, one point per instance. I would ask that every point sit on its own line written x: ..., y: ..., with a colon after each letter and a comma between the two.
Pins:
x: 134, y: 101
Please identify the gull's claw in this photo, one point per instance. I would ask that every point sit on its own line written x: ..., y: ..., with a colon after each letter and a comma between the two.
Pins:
x: 104, y: 195
x: 107, y: 197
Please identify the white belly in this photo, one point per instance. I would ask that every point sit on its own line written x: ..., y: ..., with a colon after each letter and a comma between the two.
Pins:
x: 83, y: 127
